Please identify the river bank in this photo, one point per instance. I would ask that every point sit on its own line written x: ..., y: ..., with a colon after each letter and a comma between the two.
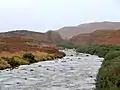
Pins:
x: 108, y: 77
x: 15, y: 59
x: 76, y: 71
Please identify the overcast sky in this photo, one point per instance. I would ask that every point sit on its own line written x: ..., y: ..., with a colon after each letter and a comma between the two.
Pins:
x: 42, y: 15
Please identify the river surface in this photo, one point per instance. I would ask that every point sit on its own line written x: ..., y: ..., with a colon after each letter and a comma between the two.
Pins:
x: 76, y: 71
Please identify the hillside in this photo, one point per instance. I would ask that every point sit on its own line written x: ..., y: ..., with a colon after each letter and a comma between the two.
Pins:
x: 26, y: 47
x: 68, y: 32
x: 48, y: 37
x: 23, y: 40
x: 98, y: 37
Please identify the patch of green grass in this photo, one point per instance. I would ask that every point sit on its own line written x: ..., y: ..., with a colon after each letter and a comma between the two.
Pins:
x: 68, y: 45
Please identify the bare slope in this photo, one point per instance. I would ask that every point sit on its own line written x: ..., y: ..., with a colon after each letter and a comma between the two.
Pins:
x: 98, y: 37
x: 68, y: 32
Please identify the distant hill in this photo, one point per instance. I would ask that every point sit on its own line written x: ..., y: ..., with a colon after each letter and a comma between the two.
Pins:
x: 98, y: 37
x: 23, y: 40
x: 48, y: 37
x: 69, y: 32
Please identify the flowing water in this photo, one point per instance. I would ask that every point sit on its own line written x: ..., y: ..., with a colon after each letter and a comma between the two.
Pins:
x: 76, y: 71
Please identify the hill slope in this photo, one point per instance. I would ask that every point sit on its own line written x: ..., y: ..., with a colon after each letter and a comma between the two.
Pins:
x: 48, y: 37
x: 98, y: 37
x: 68, y: 32
x: 23, y: 40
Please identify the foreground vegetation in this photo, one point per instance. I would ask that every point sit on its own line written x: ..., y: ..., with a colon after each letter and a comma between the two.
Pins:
x: 108, y: 77
x: 26, y: 58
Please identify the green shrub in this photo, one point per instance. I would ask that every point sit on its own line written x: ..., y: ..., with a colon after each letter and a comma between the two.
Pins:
x: 12, y: 62
x: 100, y: 50
x: 109, y: 76
x: 20, y: 61
x: 16, y: 61
x: 30, y: 57
x: 112, y: 54
x: 68, y: 45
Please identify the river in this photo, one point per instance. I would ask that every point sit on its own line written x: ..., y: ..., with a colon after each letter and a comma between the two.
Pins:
x: 76, y: 71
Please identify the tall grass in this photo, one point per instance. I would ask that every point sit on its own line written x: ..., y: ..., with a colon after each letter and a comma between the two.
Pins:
x: 25, y: 58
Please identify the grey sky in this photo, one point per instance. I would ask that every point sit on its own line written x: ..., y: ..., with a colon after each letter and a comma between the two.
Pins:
x: 42, y: 15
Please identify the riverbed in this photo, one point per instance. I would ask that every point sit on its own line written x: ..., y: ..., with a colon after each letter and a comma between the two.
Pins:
x: 76, y: 71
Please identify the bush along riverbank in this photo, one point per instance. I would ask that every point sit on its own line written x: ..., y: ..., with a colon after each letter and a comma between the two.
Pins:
x: 108, y: 77
x: 67, y: 45
x: 12, y: 60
